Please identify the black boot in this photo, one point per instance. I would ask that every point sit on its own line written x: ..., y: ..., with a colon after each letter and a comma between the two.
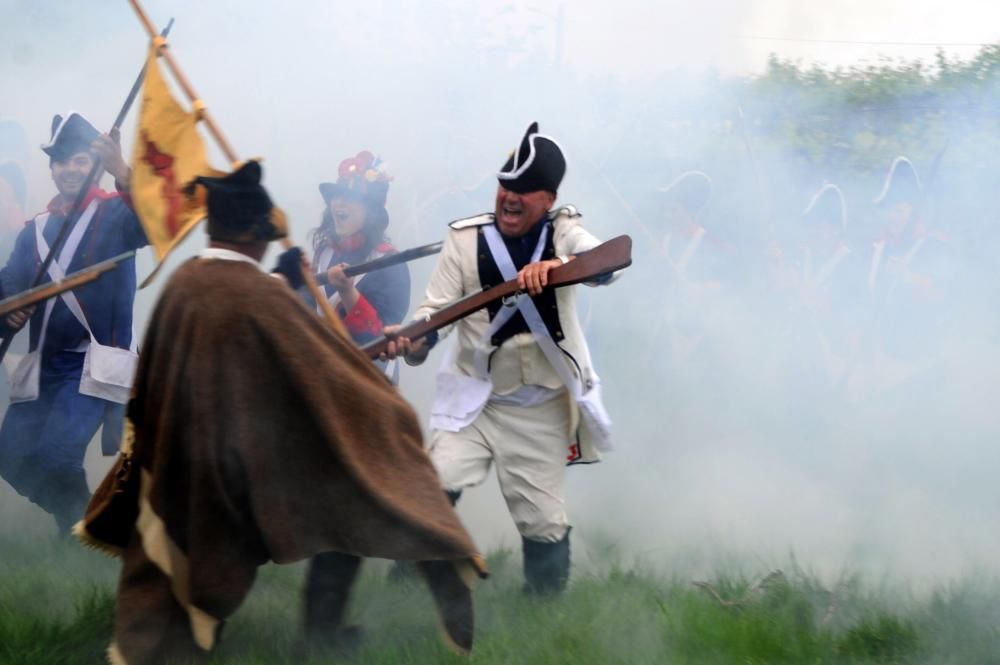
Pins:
x: 328, y: 588
x: 453, y: 599
x: 66, y: 497
x: 405, y: 572
x: 546, y: 566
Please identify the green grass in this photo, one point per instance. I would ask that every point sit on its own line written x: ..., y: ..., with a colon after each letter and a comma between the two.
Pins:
x: 56, y: 601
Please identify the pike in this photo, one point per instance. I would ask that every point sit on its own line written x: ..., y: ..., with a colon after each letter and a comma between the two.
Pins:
x: 615, y: 254
x: 48, y: 290
x: 386, y: 261
x: 94, y: 176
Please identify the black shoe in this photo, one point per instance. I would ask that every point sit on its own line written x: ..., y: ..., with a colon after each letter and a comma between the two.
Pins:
x: 328, y: 588
x: 546, y: 566
x: 67, y: 500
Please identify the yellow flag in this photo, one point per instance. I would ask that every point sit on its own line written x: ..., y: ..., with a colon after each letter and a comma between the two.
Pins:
x: 169, y: 154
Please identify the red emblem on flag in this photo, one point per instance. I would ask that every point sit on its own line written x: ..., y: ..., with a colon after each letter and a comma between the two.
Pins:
x: 163, y: 167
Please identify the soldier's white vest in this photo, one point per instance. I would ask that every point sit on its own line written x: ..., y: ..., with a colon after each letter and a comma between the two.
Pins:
x: 520, y: 360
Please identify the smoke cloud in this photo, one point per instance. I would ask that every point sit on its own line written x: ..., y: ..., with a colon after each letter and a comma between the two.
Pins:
x: 755, y: 417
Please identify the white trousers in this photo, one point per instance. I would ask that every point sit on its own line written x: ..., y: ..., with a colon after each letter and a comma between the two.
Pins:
x: 530, y: 446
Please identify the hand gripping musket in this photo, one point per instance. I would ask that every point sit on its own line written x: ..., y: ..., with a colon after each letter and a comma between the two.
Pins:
x: 52, y: 289
x: 607, y: 257
x: 386, y: 261
x: 94, y: 176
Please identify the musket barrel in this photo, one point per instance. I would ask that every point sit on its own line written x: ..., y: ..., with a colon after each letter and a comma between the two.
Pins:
x: 608, y: 257
x: 385, y: 261
x: 45, y: 291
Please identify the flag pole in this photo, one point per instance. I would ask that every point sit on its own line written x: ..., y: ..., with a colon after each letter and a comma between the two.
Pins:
x: 205, y: 118
x: 76, y: 210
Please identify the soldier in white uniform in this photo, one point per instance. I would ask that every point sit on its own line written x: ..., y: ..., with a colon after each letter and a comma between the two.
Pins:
x: 908, y: 280
x: 517, y: 387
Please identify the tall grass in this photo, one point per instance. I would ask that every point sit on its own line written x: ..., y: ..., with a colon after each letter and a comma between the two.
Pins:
x: 56, y: 603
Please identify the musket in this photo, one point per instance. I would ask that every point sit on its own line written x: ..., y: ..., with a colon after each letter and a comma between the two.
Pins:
x: 615, y: 254
x: 77, y: 209
x: 385, y: 261
x: 52, y: 289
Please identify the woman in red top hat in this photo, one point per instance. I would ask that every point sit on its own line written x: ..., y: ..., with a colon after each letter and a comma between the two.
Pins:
x: 352, y: 231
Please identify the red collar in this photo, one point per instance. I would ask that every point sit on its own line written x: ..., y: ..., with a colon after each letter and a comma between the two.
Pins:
x: 351, y: 243
x: 58, y: 207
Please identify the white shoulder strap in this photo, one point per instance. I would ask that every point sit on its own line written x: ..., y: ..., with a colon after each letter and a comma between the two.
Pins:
x: 873, y: 270
x: 58, y: 268
x: 530, y: 313
x: 817, y: 280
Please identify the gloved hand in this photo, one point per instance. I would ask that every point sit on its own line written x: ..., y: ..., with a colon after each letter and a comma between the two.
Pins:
x: 290, y: 267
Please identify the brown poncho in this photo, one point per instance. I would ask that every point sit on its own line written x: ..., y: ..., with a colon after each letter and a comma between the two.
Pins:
x: 260, y: 435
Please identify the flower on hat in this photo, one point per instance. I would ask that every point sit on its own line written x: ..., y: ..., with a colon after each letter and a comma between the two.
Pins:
x: 365, y: 165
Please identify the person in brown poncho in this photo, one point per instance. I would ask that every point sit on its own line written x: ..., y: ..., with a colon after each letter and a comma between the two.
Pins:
x: 258, y: 434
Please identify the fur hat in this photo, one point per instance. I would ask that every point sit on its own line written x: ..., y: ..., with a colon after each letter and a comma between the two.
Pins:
x: 239, y: 209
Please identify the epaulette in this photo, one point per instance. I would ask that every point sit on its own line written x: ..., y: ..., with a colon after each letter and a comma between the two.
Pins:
x: 481, y: 219
x: 569, y: 210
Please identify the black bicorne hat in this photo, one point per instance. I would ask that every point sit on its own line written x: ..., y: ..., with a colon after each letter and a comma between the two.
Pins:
x: 239, y: 209
x: 692, y: 190
x: 70, y: 135
x: 902, y: 184
x: 827, y: 205
x: 538, y: 164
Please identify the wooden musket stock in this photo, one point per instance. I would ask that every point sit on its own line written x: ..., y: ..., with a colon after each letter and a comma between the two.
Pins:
x: 51, y: 289
x: 607, y: 257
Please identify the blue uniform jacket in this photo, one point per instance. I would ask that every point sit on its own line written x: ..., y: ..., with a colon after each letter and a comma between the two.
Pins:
x: 107, y: 301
